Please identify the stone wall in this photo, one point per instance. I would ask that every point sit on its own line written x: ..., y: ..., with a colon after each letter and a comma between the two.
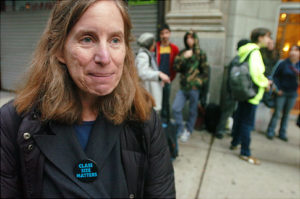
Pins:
x: 243, y: 16
x: 205, y: 18
x: 220, y: 24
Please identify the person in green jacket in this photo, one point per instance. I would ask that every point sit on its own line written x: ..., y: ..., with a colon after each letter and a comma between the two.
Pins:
x: 245, y: 114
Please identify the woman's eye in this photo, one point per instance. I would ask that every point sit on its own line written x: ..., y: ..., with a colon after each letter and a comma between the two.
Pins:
x: 116, y: 41
x: 86, y: 40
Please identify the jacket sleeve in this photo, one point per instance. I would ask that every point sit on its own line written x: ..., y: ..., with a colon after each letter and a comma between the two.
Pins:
x: 257, y: 69
x: 146, y: 73
x: 160, y: 175
x: 204, y: 67
x: 180, y: 62
x: 9, y: 170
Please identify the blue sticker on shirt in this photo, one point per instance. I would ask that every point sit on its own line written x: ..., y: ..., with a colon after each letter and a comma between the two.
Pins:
x: 86, y: 170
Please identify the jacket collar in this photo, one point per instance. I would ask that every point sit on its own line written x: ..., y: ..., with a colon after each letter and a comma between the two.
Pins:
x: 64, y: 151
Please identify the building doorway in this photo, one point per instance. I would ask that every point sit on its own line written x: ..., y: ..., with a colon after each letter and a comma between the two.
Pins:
x: 288, y: 34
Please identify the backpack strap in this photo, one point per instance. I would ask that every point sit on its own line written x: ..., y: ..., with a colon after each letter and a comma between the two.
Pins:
x: 249, y: 54
x: 149, y: 56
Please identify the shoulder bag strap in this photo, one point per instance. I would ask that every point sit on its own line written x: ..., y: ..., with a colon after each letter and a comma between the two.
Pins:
x: 275, y: 68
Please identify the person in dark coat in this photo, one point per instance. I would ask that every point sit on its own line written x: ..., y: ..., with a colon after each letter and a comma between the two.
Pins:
x: 286, y: 78
x: 82, y: 126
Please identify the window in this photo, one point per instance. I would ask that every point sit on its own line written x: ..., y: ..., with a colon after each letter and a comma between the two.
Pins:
x: 288, y: 32
x: 29, y: 5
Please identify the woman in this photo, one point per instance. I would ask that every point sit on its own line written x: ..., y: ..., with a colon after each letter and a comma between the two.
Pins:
x: 193, y: 69
x: 286, y: 79
x: 148, y: 70
x: 244, y: 116
x: 81, y: 127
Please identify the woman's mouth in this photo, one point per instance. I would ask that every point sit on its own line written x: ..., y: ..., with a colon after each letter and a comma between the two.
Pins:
x: 101, y: 76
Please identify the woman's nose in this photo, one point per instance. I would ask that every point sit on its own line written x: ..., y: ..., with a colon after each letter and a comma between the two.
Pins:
x: 102, y: 55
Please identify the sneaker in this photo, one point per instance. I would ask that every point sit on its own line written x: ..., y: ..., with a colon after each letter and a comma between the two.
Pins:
x: 233, y: 147
x: 219, y: 135
x: 270, y: 137
x: 283, y: 138
x: 185, y: 136
x: 250, y: 159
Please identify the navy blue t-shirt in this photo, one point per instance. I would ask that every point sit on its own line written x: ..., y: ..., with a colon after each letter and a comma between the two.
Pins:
x: 83, y: 132
x: 165, y: 52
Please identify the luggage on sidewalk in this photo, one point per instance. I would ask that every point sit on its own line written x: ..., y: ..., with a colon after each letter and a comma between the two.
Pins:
x: 212, y: 117
x: 199, y: 125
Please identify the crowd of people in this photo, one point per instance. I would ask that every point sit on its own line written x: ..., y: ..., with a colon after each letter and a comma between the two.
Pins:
x: 89, y: 120
x: 267, y: 72
x: 190, y: 63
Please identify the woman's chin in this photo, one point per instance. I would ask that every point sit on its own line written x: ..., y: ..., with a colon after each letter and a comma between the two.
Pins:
x: 101, y: 92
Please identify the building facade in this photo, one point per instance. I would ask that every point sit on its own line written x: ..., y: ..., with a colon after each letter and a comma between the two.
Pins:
x: 222, y: 23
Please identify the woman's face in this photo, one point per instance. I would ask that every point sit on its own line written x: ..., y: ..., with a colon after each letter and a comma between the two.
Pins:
x: 94, y: 50
x: 295, y: 53
x: 190, y: 41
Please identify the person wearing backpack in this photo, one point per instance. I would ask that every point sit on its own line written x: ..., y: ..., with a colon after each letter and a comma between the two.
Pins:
x: 228, y: 104
x: 245, y: 114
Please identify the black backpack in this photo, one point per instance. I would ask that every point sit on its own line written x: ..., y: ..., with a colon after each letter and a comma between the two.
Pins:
x: 241, y: 85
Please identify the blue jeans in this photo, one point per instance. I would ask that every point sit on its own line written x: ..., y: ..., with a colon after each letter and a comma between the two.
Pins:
x: 227, y: 110
x: 178, y: 105
x: 284, y: 104
x: 243, y: 124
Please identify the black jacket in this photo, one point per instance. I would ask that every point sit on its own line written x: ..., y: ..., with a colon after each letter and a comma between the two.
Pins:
x: 149, y: 174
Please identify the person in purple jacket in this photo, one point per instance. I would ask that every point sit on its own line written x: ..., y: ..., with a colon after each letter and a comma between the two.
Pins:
x: 286, y: 78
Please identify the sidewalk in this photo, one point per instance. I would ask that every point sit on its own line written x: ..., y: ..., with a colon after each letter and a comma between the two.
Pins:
x: 202, y: 172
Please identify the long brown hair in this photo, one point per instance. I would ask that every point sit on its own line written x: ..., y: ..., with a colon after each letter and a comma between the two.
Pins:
x: 50, y: 89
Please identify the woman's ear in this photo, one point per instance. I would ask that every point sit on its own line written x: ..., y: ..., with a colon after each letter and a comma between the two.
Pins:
x: 60, y: 56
